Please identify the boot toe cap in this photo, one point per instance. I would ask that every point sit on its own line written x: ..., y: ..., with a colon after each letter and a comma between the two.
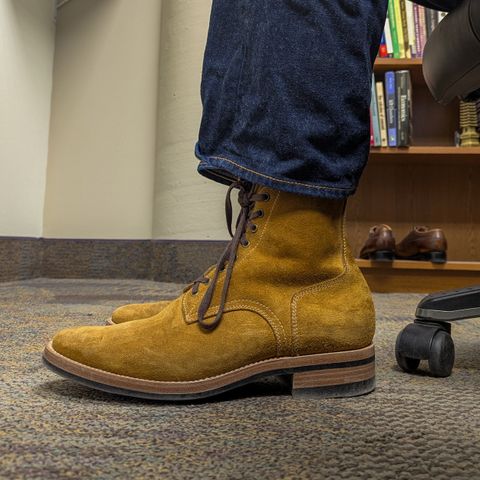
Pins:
x: 79, y: 344
x: 71, y: 343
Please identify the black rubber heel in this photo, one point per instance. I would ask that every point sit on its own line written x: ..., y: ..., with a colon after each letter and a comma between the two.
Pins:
x: 382, y: 256
x: 437, y: 257
x: 434, y: 257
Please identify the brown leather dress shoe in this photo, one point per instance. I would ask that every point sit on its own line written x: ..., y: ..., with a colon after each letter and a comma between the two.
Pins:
x: 380, y: 244
x: 423, y: 243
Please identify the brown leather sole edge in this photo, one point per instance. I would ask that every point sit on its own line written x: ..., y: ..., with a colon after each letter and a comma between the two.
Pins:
x: 337, y: 374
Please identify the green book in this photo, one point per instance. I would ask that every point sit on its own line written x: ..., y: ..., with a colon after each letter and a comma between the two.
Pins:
x: 403, y: 12
x: 393, y: 28
x: 398, y: 22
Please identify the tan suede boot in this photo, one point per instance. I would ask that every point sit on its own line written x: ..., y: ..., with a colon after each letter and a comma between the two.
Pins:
x: 285, y: 298
x: 136, y: 311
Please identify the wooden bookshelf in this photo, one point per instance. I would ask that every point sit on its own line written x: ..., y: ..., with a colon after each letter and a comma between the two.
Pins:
x: 426, y: 150
x: 432, y: 183
x: 435, y: 155
x: 382, y: 65
x: 421, y: 277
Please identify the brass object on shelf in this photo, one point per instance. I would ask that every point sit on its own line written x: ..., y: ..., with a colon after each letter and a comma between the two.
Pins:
x: 469, y: 136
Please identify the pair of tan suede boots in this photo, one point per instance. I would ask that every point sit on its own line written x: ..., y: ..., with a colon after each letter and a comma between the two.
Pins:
x: 285, y: 298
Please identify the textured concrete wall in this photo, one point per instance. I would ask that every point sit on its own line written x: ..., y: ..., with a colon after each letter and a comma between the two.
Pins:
x: 186, y: 205
x: 27, y: 38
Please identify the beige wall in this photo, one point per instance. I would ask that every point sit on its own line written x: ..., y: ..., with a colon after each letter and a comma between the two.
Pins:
x: 125, y: 113
x: 187, y: 206
x: 27, y: 36
x: 103, y: 125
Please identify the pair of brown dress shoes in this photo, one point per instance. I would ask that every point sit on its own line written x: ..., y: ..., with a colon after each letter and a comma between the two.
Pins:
x: 422, y: 243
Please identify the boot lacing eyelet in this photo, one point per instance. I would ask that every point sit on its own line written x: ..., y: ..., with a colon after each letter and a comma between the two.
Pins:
x: 202, y: 280
x: 253, y: 228
x: 247, y: 197
x: 266, y: 197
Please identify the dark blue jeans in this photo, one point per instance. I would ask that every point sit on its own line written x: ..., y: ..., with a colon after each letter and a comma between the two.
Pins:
x: 286, y: 92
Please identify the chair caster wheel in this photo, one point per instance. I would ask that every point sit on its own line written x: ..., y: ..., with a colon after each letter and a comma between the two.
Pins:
x: 426, y: 341
x: 407, y: 364
x: 442, y: 355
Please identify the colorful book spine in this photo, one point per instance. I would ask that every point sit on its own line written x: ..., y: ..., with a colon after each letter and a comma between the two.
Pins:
x: 409, y: 110
x: 377, y: 141
x: 393, y: 29
x: 411, y: 29
x: 388, y: 38
x: 407, y: 28
x: 431, y: 20
x: 398, y: 21
x: 423, y: 27
x: 403, y: 104
x: 382, y: 52
x: 382, y: 118
x: 391, y: 107
x: 372, y: 140
x: 416, y: 19
x: 403, y: 14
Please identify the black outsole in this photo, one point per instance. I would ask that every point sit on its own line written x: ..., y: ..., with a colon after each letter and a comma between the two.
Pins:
x: 382, y: 256
x: 351, y: 389
x: 434, y: 257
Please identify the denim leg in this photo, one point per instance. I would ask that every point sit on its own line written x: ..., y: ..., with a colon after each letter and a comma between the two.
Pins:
x: 286, y: 92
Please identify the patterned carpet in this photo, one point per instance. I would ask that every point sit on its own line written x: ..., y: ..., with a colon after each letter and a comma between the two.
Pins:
x: 412, y: 426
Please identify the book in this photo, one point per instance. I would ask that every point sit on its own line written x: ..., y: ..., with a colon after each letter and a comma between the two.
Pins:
x: 422, y: 27
x: 382, y: 119
x: 411, y: 29
x: 441, y: 16
x: 431, y: 20
x: 403, y: 104
x: 377, y: 141
x: 403, y: 14
x: 388, y: 38
x: 393, y: 29
x: 416, y: 21
x: 407, y: 28
x: 382, y: 52
x: 391, y: 108
x: 398, y: 21
x: 372, y: 141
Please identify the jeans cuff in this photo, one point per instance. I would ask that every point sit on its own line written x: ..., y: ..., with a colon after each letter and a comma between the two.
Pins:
x: 223, y: 169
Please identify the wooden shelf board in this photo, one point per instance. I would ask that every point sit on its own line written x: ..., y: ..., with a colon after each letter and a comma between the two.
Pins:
x: 383, y: 65
x: 393, y: 63
x: 452, y: 266
x: 419, y: 277
x: 425, y: 150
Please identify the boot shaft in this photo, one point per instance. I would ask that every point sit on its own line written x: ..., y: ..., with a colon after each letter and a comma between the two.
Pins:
x: 299, y: 239
x: 295, y: 269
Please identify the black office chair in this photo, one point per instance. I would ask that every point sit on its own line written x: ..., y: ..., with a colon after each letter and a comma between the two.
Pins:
x: 451, y: 67
x: 451, y: 59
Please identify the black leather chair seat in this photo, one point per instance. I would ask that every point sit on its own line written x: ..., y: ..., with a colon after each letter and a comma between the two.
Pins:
x: 451, y: 62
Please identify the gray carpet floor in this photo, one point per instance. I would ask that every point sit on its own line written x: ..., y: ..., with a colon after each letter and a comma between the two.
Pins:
x: 412, y: 426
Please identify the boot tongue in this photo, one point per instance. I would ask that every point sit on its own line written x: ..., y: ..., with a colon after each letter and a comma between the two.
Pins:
x: 246, y: 199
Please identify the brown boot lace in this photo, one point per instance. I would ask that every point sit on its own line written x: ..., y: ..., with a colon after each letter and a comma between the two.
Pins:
x: 247, y: 199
